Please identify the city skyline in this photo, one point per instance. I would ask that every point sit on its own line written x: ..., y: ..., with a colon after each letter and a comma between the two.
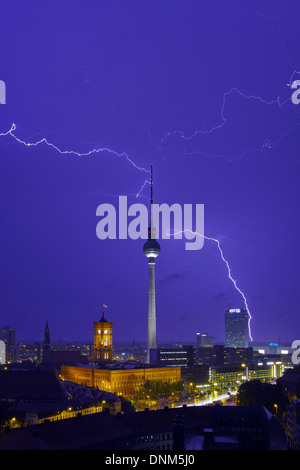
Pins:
x: 185, y: 87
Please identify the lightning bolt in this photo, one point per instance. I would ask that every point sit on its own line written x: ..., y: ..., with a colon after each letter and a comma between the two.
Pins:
x: 13, y: 128
x: 266, y: 144
x: 234, y: 282
x: 70, y: 152
x: 11, y: 133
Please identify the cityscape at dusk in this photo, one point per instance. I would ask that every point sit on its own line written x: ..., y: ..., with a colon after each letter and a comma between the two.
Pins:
x: 149, y: 225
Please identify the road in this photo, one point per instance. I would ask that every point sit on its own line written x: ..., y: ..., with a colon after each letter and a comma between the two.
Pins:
x: 208, y: 401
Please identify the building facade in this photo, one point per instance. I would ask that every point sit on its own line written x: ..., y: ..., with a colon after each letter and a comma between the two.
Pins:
x: 236, y: 328
x: 125, y: 382
x: 205, y: 340
x: 172, y: 357
x: 103, y: 342
x: 232, y: 376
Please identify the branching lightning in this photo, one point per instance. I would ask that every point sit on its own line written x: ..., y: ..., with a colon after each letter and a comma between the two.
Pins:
x: 223, y: 119
x: 11, y: 133
x: 70, y: 152
x: 228, y: 271
x: 266, y: 144
x: 163, y: 144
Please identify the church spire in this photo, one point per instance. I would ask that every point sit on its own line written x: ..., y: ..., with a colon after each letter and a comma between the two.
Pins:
x: 47, y: 334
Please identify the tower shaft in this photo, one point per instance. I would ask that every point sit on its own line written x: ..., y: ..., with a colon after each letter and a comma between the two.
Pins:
x: 151, y: 309
x: 151, y: 250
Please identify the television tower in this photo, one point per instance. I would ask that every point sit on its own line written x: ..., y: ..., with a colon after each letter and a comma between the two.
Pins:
x: 151, y: 250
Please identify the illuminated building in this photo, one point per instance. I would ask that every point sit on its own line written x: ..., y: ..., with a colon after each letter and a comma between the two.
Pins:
x: 197, y: 375
x: 236, y: 328
x: 274, y: 350
x: 121, y: 379
x: 219, y: 355
x: 231, y: 376
x: 50, y: 399
x: 103, y: 346
x: 238, y: 355
x: 172, y: 357
x: 209, y: 356
x: 151, y: 250
x: 29, y: 351
x: 7, y: 335
x: 204, y: 340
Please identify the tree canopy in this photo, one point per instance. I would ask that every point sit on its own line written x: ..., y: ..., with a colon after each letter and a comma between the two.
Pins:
x: 257, y: 393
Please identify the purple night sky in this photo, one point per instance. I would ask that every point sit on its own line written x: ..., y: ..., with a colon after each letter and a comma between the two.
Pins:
x: 199, y: 89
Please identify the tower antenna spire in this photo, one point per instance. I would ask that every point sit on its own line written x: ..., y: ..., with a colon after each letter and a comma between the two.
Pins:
x: 151, y: 184
x: 151, y: 231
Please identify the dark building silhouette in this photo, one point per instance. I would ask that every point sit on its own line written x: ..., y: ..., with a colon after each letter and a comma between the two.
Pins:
x: 46, y: 348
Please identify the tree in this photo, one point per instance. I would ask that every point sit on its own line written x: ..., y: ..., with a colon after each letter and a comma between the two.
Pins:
x: 126, y: 406
x: 250, y: 393
x: 156, y: 389
x: 256, y: 393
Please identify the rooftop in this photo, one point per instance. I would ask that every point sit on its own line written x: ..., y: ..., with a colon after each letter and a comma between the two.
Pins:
x: 30, y: 385
x: 102, y: 430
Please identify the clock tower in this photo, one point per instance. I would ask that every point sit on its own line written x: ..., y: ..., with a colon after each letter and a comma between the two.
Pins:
x: 103, y: 340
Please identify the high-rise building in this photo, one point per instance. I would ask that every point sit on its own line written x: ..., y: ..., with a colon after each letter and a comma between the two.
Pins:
x: 203, y: 340
x: 103, y: 345
x: 151, y: 250
x: 236, y: 328
x: 8, y: 336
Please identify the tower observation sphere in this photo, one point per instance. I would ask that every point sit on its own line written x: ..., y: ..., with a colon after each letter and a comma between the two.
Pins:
x: 151, y: 249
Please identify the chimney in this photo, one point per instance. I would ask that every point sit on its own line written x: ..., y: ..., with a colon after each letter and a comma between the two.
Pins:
x: 208, y: 438
x: 178, y: 429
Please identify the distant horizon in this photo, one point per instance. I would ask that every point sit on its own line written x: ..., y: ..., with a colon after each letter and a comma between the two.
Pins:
x: 130, y: 341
